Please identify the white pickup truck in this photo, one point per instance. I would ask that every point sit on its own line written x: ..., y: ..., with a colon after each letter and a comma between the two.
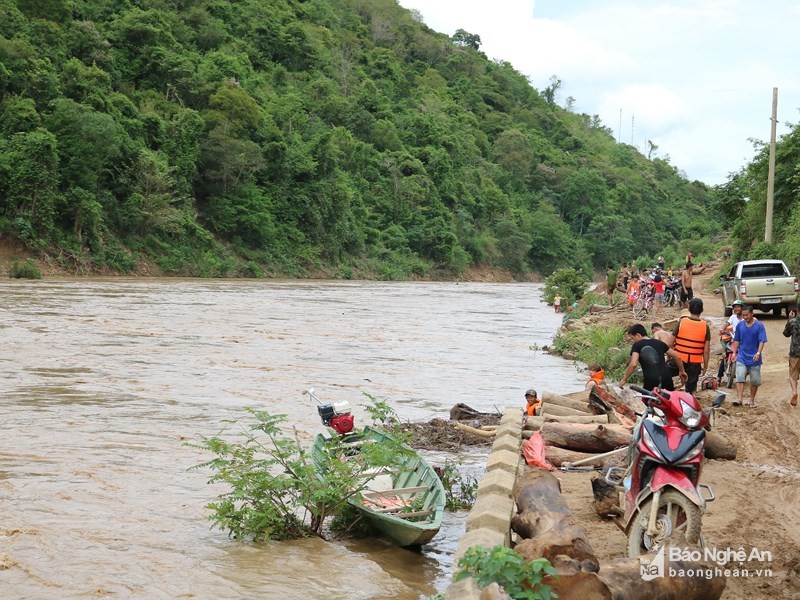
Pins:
x: 764, y: 284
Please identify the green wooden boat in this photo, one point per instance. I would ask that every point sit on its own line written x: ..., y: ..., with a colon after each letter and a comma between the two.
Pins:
x: 404, y: 504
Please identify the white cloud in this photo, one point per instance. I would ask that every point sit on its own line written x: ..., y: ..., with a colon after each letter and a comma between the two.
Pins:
x: 696, y: 74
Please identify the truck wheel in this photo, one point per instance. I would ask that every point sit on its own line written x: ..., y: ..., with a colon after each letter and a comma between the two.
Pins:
x: 728, y: 311
x: 777, y: 311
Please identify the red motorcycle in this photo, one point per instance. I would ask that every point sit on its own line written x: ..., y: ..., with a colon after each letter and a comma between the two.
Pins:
x: 662, y: 494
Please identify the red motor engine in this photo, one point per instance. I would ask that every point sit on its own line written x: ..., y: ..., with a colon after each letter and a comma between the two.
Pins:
x: 337, y: 416
x: 343, y: 424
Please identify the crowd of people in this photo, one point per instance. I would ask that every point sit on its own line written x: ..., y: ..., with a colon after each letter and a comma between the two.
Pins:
x: 685, y: 351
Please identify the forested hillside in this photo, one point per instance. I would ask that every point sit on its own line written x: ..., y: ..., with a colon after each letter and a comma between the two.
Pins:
x: 252, y: 137
x: 743, y: 200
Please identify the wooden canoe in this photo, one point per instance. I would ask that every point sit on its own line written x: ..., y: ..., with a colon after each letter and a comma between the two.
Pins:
x: 386, y: 503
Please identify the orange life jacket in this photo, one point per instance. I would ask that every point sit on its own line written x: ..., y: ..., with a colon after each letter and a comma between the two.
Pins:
x: 598, y: 377
x: 727, y: 334
x: 691, y: 340
x: 531, y: 408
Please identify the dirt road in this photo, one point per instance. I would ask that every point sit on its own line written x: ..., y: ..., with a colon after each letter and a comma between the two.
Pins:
x: 758, y: 495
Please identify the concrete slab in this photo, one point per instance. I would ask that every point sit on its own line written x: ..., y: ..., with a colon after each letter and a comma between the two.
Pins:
x: 507, y: 460
x: 487, y: 538
x: 496, y: 482
x: 466, y: 589
x: 492, y: 511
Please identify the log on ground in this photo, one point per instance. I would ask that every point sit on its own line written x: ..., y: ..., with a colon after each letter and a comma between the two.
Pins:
x: 563, y: 411
x: 719, y: 447
x: 581, y: 404
x: 535, y: 423
x: 546, y: 523
x: 585, y: 437
x: 622, y: 580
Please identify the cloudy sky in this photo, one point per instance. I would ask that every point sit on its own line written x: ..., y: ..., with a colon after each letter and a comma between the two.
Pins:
x: 693, y: 76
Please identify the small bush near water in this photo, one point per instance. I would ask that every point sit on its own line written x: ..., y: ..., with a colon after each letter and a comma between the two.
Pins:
x: 26, y: 269
x: 602, y: 345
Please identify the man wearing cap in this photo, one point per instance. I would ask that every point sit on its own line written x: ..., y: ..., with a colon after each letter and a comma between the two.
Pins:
x: 736, y: 317
x: 532, y: 402
x: 693, y: 343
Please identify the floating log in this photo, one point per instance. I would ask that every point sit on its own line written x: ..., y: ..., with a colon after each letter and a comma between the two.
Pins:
x: 559, y: 456
x: 585, y: 437
x: 719, y: 447
x: 582, y: 404
x: 475, y: 431
x: 546, y: 522
x: 463, y: 412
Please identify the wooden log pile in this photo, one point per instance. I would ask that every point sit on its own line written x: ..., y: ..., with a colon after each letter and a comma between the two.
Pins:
x: 585, y: 425
x: 548, y: 530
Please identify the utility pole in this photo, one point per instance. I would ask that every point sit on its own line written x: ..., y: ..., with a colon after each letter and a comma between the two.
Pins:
x: 771, y: 175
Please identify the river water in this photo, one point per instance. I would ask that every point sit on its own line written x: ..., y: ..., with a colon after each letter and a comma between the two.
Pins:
x: 104, y: 380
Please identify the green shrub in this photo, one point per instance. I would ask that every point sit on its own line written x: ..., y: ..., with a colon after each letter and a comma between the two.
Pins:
x: 570, y: 284
x: 275, y: 492
x: 460, y: 490
x: 602, y: 345
x: 26, y: 269
x: 521, y: 579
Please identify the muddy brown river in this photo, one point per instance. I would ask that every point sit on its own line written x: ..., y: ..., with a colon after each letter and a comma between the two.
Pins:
x: 104, y: 380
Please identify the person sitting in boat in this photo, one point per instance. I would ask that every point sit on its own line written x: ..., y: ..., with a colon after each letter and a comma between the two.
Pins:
x: 533, y: 404
x: 596, y: 376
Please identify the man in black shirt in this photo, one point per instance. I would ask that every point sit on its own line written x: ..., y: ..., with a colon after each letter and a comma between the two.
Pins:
x: 650, y: 353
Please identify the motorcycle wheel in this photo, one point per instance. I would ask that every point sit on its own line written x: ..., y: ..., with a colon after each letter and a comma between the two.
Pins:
x: 730, y: 374
x: 668, y: 298
x: 677, y: 516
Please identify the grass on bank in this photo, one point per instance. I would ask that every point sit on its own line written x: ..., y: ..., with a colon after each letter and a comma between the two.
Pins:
x: 604, y: 345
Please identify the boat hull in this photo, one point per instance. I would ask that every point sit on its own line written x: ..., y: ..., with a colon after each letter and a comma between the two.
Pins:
x: 414, y: 480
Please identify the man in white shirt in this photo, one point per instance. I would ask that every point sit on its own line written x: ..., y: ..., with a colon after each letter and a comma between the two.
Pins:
x: 736, y: 317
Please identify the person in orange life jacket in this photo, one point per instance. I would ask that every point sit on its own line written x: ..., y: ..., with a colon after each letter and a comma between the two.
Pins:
x: 693, y: 343
x: 596, y: 376
x: 532, y: 402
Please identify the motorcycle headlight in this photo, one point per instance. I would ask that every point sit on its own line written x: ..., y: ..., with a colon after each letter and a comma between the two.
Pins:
x: 690, y: 416
x: 651, y: 445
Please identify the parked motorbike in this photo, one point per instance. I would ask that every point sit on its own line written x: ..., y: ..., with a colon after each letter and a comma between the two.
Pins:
x: 672, y: 291
x: 662, y: 494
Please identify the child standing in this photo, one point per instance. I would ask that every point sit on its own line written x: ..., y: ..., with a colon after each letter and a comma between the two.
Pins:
x: 557, y: 303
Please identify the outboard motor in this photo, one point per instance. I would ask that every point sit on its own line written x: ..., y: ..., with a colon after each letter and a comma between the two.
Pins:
x: 337, y: 416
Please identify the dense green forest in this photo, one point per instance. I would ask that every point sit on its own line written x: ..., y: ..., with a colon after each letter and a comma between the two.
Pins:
x: 743, y: 200
x: 260, y: 137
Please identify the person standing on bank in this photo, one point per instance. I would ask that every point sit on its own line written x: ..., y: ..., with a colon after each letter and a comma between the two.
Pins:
x: 611, y: 281
x: 686, y: 285
x: 792, y: 330
x: 748, y: 344
x: 661, y: 263
x: 557, y: 303
x: 650, y: 354
x: 693, y: 343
